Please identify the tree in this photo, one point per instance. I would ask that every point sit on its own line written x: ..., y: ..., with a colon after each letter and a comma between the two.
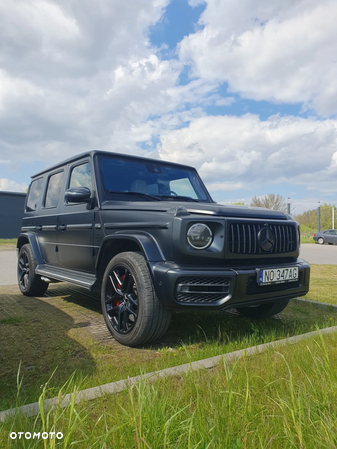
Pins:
x: 310, y: 217
x: 270, y: 201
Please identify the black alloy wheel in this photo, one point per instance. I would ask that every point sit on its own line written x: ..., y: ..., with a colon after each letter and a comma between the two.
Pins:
x: 121, y: 299
x: 30, y: 283
x: 131, y: 309
x: 23, y: 270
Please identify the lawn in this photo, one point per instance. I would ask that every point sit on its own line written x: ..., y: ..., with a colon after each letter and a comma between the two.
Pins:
x: 267, y: 398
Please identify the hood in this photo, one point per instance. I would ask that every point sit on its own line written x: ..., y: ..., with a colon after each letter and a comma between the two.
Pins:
x: 213, y: 209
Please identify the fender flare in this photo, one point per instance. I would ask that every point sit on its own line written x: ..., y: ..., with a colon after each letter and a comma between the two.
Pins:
x: 30, y: 237
x: 146, y: 243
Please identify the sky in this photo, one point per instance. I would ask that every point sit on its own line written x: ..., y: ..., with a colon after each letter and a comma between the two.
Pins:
x: 245, y: 91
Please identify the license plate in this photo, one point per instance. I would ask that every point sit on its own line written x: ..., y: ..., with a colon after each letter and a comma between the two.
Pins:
x: 277, y: 276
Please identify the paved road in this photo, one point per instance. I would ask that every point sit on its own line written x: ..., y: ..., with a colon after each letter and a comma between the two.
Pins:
x: 320, y: 254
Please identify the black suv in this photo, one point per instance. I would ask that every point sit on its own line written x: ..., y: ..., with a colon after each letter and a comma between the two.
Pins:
x: 148, y: 236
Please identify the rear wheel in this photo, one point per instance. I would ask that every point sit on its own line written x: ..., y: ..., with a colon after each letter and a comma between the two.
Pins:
x: 131, y: 309
x: 320, y: 240
x: 29, y: 282
x: 264, y: 310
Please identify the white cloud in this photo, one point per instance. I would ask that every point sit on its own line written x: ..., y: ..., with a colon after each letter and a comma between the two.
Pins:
x: 282, y: 51
x: 249, y: 153
x: 12, y: 186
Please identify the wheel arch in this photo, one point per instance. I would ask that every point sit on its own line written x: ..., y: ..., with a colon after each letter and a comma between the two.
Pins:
x: 114, y: 244
x: 30, y: 237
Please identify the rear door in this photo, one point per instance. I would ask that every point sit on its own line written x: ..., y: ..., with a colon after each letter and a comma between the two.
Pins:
x: 46, y: 222
x: 76, y: 223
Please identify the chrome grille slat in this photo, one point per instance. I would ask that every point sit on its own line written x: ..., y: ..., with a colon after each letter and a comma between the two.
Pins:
x: 243, y: 238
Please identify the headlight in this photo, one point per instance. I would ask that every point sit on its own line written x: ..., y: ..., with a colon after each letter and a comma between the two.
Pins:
x: 199, y: 236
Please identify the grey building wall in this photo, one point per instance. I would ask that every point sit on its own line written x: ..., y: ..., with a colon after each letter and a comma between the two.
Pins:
x: 11, y: 213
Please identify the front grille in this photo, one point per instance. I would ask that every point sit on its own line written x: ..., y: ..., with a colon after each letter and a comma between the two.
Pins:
x: 243, y: 238
x: 201, y: 290
x: 253, y: 288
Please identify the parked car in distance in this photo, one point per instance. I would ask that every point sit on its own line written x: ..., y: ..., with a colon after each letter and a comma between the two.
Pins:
x: 328, y: 236
x: 147, y: 235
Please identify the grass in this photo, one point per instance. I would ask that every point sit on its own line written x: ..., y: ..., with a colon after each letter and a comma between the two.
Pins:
x: 7, y: 244
x: 307, y: 234
x: 54, y: 333
x: 323, y: 284
x: 276, y: 400
x: 279, y: 399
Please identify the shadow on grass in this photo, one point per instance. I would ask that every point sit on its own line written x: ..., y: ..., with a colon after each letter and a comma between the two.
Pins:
x: 46, y: 333
x: 217, y: 327
x: 34, y: 337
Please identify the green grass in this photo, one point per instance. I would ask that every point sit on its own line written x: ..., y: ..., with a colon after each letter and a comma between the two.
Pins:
x: 323, y: 284
x: 279, y: 399
x: 8, y: 241
x: 265, y: 401
x: 307, y: 234
x: 42, y: 337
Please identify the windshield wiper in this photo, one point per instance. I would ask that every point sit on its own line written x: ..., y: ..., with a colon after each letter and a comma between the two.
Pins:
x: 140, y: 194
x: 179, y: 197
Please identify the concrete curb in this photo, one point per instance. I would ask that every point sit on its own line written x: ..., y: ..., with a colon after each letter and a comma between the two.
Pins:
x: 316, y: 303
x: 115, y: 387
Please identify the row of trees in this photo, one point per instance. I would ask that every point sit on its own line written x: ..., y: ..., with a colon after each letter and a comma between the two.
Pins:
x: 308, y: 218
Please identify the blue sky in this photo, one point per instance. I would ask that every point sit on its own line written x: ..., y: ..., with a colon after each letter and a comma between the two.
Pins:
x: 244, y: 91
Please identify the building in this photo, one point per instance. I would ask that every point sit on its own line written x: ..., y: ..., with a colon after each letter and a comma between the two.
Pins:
x: 11, y: 213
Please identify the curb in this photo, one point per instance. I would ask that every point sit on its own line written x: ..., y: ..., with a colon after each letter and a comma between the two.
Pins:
x: 120, y: 385
x: 316, y: 303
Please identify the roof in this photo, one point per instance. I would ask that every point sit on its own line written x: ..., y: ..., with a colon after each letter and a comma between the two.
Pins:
x: 92, y: 153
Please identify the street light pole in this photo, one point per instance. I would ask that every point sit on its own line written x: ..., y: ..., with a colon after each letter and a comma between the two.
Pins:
x: 333, y: 218
x: 319, y: 216
x: 288, y: 206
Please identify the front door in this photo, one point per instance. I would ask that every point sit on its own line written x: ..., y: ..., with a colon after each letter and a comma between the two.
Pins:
x: 76, y: 225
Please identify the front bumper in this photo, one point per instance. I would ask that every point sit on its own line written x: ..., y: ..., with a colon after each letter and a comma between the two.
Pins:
x: 222, y: 287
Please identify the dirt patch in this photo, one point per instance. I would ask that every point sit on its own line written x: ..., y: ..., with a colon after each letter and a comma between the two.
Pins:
x: 7, y: 247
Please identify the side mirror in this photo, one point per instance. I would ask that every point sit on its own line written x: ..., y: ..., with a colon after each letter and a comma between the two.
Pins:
x: 78, y: 195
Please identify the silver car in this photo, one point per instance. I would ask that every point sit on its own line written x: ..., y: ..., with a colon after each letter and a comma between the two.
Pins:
x: 327, y: 236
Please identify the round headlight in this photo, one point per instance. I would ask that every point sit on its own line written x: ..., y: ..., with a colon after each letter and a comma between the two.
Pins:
x: 199, y: 236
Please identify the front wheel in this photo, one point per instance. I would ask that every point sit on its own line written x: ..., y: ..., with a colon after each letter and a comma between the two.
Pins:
x: 29, y: 282
x: 264, y: 310
x: 320, y: 241
x: 131, y: 309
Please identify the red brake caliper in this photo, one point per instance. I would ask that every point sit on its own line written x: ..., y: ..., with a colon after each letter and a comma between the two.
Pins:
x: 119, y: 286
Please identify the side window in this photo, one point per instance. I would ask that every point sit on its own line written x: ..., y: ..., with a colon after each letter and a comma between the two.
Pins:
x: 34, y: 195
x: 81, y: 176
x: 53, y: 190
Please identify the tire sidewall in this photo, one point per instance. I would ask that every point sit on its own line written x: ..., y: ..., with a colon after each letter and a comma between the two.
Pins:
x: 145, y: 292
x: 26, y: 249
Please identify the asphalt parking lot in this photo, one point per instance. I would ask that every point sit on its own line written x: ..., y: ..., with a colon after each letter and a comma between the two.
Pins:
x: 314, y: 254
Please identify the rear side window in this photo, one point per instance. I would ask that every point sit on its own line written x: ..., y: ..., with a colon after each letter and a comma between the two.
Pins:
x: 53, y: 190
x: 34, y: 195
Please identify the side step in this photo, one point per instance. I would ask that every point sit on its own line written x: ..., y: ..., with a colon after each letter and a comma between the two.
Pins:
x: 85, y: 280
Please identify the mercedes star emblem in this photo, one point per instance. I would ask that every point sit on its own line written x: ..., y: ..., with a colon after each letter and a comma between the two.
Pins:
x: 266, y: 238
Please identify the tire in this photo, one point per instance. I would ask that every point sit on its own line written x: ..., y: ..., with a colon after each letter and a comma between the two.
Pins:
x: 29, y: 282
x: 131, y: 309
x: 264, y: 310
x: 320, y: 241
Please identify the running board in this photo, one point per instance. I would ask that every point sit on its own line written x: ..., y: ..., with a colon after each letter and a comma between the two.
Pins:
x: 85, y: 280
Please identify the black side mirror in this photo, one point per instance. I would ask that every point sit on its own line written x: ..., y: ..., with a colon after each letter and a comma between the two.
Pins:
x: 78, y: 195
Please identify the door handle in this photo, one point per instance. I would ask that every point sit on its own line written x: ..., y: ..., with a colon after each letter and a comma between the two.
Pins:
x: 38, y: 228
x: 62, y: 227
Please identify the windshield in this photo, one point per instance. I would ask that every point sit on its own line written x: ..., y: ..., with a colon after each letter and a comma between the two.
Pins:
x: 137, y: 180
